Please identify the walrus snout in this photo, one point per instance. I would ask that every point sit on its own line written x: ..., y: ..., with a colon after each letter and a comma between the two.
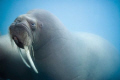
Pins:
x: 19, y: 33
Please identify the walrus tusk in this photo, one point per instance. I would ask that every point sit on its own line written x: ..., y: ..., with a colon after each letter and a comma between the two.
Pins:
x: 30, y: 59
x: 23, y: 59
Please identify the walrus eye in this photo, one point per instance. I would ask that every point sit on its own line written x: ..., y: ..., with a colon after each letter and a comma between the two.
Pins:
x: 33, y: 26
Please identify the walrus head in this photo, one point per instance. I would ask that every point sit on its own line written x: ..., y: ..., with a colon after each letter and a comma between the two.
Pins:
x: 22, y: 32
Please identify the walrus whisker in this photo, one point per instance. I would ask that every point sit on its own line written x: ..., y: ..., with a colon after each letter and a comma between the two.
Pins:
x: 30, y: 59
x: 23, y: 58
x: 28, y: 31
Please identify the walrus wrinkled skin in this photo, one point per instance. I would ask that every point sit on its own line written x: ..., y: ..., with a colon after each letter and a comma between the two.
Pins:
x: 59, y: 54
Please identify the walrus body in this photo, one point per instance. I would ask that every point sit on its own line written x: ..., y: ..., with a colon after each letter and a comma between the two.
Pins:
x: 60, y: 54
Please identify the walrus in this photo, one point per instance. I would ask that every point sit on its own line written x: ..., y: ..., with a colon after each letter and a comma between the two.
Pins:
x: 53, y: 52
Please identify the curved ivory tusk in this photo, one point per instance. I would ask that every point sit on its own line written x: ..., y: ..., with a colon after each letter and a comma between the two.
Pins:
x: 30, y: 59
x: 23, y: 58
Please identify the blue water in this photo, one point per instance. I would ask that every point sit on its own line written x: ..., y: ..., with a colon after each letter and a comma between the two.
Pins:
x: 100, y: 17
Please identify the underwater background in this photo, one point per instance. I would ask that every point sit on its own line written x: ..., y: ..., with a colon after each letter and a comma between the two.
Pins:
x: 100, y: 17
